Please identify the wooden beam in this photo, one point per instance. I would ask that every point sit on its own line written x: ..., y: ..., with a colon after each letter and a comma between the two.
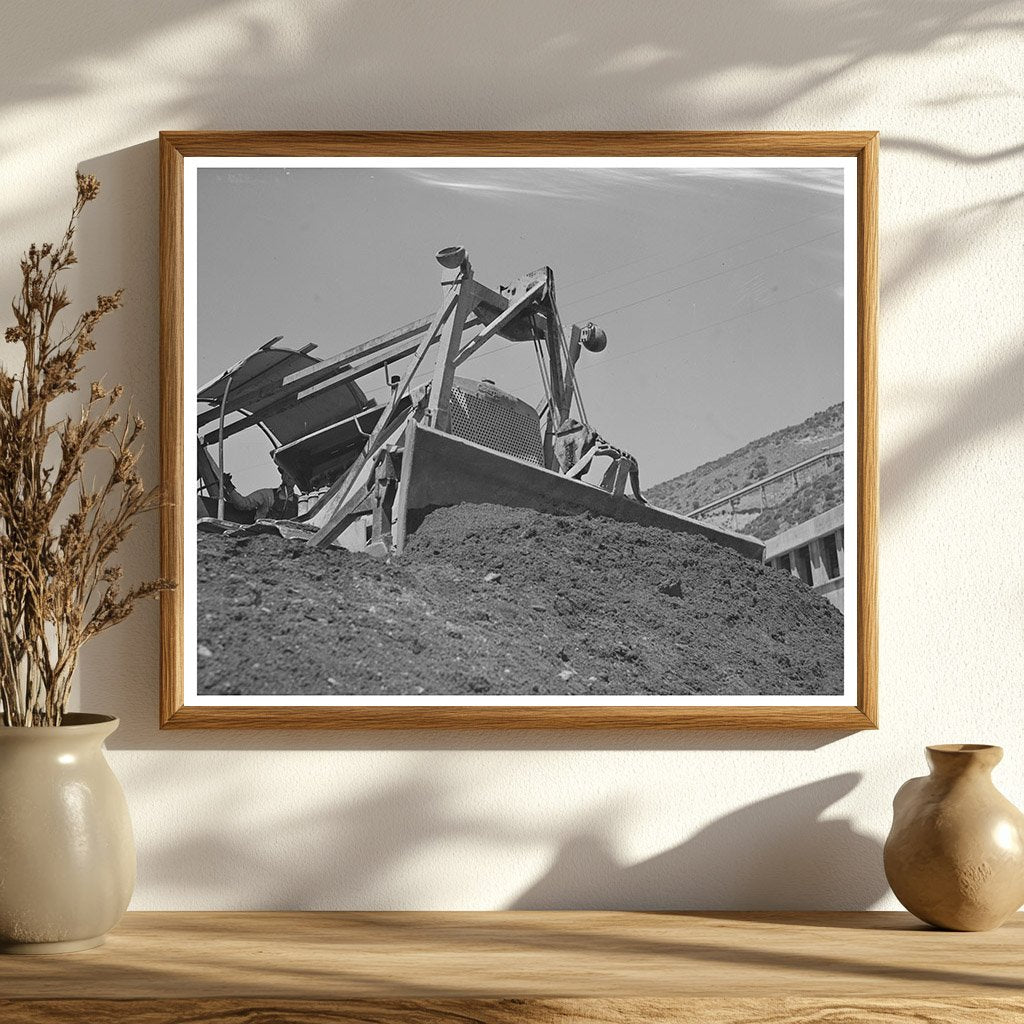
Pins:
x: 348, y: 373
x: 330, y: 512
x: 439, y: 410
x: 488, y: 305
x: 321, y: 371
x: 284, y: 396
x: 572, y: 358
x: 510, y: 312
x: 397, y: 344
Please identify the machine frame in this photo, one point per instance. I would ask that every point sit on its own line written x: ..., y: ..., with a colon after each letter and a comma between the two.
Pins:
x: 389, y: 473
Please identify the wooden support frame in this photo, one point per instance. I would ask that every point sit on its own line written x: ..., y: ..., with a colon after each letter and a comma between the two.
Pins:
x: 439, y: 403
x: 512, y: 310
x: 178, y: 147
x: 339, y: 494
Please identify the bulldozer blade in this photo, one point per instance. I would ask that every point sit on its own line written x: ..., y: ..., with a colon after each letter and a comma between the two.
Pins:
x: 440, y: 470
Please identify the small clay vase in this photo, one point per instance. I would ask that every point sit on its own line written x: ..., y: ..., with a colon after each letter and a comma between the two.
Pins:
x: 955, y: 854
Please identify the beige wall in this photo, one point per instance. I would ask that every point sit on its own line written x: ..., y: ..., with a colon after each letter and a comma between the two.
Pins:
x: 631, y: 820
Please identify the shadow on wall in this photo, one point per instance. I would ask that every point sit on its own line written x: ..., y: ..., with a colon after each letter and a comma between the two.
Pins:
x: 938, y: 244
x: 990, y: 405
x: 775, y: 854
x: 352, y: 853
x: 233, y: 63
x: 406, y: 845
x: 308, y: 63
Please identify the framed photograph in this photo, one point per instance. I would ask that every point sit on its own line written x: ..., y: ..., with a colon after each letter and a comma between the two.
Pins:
x: 519, y: 430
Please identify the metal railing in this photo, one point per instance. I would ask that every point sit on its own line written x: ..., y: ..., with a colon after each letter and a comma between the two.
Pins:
x: 831, y: 455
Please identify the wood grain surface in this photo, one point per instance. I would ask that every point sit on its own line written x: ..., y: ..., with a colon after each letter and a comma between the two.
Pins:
x: 515, y: 1011
x: 176, y: 146
x: 533, y: 966
x: 526, y: 954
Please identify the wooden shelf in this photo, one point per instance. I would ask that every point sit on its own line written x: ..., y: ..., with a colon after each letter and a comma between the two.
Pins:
x: 425, y: 968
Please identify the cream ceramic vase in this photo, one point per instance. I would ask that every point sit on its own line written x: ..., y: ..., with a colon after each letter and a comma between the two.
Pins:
x: 67, y: 856
x: 955, y: 855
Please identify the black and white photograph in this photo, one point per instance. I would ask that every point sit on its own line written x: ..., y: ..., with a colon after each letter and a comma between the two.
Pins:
x: 513, y: 431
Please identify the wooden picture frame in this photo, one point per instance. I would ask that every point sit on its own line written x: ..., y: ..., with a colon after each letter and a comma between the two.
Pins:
x: 177, y: 149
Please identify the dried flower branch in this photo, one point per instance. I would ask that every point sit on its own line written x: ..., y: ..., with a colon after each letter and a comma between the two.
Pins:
x: 57, y: 586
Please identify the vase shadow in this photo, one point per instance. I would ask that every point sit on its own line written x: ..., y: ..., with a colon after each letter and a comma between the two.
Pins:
x: 779, y: 853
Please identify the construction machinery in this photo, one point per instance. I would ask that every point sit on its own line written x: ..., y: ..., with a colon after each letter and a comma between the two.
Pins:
x: 369, y: 471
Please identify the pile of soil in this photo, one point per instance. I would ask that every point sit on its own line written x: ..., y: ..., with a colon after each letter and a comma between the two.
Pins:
x: 492, y: 600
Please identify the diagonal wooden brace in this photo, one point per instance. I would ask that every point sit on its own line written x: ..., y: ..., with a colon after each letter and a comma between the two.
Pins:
x: 439, y: 407
x: 514, y: 309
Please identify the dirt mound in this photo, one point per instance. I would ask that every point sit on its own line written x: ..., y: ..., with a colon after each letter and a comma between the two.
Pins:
x: 492, y: 600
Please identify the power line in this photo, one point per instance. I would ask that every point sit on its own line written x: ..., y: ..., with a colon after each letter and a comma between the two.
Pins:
x: 692, y: 259
x: 713, y: 252
x: 717, y: 323
x: 720, y: 273
x: 706, y: 327
x: 685, y: 284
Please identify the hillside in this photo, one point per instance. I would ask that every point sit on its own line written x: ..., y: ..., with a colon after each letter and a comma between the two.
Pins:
x: 807, y: 501
x: 752, y: 462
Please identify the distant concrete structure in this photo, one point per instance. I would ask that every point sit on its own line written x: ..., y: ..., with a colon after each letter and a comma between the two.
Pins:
x: 735, y: 511
x: 813, y: 551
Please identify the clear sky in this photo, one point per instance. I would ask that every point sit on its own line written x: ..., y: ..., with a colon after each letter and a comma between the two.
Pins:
x: 720, y: 290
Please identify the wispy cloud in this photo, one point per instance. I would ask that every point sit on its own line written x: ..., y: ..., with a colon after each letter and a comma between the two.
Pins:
x: 590, y: 184
x: 498, y: 184
x: 826, y: 180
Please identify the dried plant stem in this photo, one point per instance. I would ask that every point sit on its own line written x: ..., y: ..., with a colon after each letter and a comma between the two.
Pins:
x: 58, y: 587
